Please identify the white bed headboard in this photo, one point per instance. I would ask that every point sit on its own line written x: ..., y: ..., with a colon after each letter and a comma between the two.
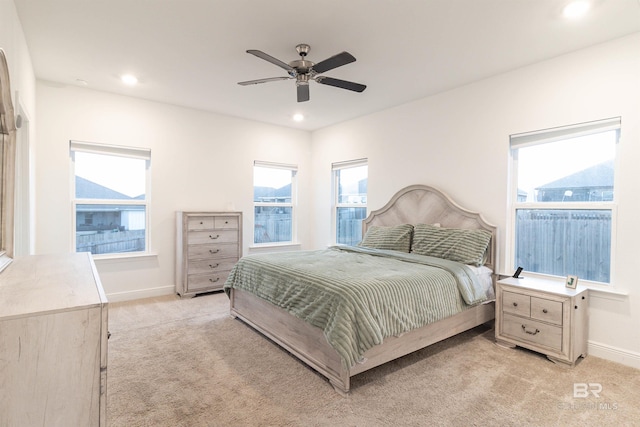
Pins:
x: 421, y: 204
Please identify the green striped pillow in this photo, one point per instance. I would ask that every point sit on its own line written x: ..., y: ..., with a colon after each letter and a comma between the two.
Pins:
x: 395, y: 238
x: 455, y: 244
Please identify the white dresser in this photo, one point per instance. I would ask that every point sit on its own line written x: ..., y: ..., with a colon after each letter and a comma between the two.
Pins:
x: 543, y: 316
x: 208, y: 246
x: 53, y: 342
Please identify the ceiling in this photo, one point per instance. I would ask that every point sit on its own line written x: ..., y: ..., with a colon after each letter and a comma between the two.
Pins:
x: 192, y: 53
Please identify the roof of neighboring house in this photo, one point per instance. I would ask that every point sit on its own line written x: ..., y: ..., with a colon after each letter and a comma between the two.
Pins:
x: 598, y: 176
x: 86, y: 189
x: 262, y: 192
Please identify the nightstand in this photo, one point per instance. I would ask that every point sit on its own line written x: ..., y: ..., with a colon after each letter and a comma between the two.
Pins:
x: 543, y: 316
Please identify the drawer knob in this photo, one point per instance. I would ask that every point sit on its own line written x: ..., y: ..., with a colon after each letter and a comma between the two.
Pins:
x: 524, y: 328
x: 211, y: 251
x: 214, y: 280
x: 544, y: 310
x: 515, y: 304
x: 201, y: 222
x: 213, y: 238
x: 213, y: 266
x: 226, y: 222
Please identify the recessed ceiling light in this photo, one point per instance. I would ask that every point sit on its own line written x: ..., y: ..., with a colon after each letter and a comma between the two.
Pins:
x: 298, y: 117
x: 129, y: 79
x: 576, y: 9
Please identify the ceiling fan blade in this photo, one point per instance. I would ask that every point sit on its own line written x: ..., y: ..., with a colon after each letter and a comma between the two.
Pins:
x: 271, y: 59
x: 335, y: 61
x: 258, y: 81
x: 303, y: 93
x: 342, y: 84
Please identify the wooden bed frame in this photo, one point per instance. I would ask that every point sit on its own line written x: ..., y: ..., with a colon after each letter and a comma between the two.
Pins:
x: 412, y: 205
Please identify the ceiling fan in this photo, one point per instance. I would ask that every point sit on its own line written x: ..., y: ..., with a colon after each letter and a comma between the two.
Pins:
x: 303, y: 71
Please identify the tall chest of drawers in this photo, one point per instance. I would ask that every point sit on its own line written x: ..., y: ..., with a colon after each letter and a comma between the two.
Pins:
x: 208, y: 246
x: 543, y: 316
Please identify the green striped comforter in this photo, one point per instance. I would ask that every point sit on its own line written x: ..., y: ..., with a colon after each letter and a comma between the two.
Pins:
x: 358, y: 296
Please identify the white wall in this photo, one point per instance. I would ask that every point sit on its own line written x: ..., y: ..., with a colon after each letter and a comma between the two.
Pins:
x: 458, y: 141
x: 200, y: 161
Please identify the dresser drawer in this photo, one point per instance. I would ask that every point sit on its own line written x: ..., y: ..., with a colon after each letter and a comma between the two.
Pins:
x: 200, y: 223
x: 528, y: 330
x: 213, y: 236
x: 546, y: 310
x: 212, y: 265
x: 222, y: 250
x: 226, y: 222
x: 213, y: 281
x: 516, y: 303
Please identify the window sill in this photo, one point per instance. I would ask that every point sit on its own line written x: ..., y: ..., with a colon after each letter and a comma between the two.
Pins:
x: 275, y: 247
x: 124, y: 256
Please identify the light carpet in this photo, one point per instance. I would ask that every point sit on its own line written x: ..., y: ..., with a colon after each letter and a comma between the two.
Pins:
x: 186, y: 362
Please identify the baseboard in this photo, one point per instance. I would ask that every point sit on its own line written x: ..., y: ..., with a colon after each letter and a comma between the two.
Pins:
x: 141, y: 293
x: 614, y: 354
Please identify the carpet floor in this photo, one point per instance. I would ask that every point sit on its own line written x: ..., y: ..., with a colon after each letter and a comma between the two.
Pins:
x: 186, y: 362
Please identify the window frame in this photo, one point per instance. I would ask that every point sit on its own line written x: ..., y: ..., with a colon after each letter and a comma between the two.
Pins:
x: 551, y: 135
x: 118, y: 151
x: 336, y: 205
x: 292, y: 204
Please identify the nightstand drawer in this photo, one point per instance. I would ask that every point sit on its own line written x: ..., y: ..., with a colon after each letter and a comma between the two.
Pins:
x: 546, y: 310
x: 532, y: 331
x: 516, y: 304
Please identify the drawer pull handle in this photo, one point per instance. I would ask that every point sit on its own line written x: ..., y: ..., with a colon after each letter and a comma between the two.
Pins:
x: 211, y: 251
x: 213, y: 238
x: 544, y: 310
x: 214, y: 280
x: 524, y: 328
x: 213, y: 266
x: 515, y: 304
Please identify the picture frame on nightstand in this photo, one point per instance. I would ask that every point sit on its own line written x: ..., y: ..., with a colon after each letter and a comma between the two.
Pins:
x: 572, y: 282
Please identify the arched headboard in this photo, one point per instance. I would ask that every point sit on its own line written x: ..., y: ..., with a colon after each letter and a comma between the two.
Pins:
x: 422, y: 204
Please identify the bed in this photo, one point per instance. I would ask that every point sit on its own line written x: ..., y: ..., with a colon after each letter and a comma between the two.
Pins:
x: 273, y: 293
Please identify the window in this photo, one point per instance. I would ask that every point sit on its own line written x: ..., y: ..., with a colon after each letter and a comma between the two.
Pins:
x: 563, y: 199
x: 274, y: 201
x: 350, y: 200
x: 111, y: 198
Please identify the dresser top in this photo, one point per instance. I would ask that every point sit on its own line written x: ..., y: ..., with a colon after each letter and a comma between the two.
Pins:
x: 48, y: 283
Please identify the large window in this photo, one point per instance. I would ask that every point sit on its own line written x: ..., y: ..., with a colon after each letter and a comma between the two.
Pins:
x: 274, y: 200
x: 111, y: 197
x: 563, y: 199
x: 350, y: 200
